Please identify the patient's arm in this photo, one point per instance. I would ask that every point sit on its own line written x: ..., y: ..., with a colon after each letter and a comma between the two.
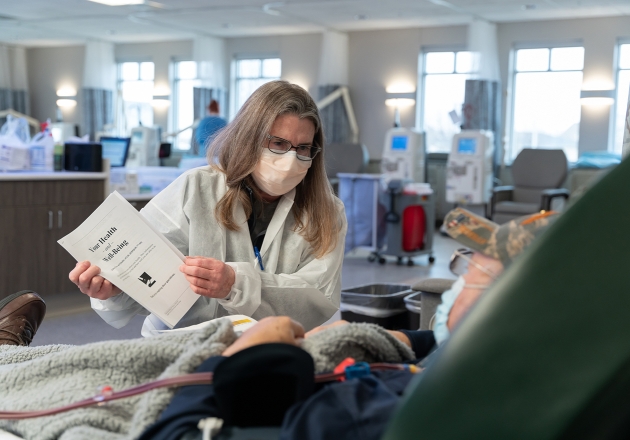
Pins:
x: 280, y: 329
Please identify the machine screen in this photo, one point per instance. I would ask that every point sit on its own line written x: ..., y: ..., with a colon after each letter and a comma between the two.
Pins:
x: 115, y: 149
x: 467, y: 146
x: 137, y: 136
x: 399, y: 143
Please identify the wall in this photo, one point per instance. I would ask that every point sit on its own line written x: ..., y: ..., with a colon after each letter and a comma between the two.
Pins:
x: 381, y: 58
x: 599, y: 37
x: 299, y: 53
x: 49, y: 69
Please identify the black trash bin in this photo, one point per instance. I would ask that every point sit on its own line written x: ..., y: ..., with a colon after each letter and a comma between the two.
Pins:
x: 381, y: 304
x: 413, y: 303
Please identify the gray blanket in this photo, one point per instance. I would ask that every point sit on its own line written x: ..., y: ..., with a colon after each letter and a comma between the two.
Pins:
x: 56, y: 375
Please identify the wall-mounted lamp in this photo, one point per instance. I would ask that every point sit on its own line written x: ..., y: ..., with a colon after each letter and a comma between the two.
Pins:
x: 597, y: 97
x: 66, y: 92
x: 161, y: 96
x: 68, y: 97
x: 67, y: 102
x: 398, y: 101
x: 161, y: 101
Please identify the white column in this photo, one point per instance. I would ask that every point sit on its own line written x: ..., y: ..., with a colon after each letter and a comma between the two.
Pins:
x: 209, y: 53
x: 99, y: 69
x: 482, y: 41
x: 333, y: 66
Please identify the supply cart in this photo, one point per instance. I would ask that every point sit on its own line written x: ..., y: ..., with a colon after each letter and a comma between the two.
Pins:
x: 410, y: 220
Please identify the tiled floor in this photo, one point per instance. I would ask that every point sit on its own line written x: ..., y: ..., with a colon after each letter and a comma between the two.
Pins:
x: 69, y: 319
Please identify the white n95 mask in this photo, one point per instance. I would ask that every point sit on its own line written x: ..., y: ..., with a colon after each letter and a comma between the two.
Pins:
x: 440, y: 329
x: 277, y: 174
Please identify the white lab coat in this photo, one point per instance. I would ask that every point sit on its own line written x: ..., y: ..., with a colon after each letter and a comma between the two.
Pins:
x: 294, y: 283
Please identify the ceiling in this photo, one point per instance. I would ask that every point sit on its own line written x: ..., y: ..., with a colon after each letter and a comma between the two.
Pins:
x: 62, y: 22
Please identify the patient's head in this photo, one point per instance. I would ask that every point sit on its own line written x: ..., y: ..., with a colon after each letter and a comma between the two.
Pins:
x: 489, y: 249
x: 501, y: 242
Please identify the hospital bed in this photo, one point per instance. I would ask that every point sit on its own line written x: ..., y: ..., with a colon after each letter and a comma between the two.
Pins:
x: 545, y: 354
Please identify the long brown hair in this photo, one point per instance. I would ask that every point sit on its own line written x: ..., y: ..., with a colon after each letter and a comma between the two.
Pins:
x: 238, y: 148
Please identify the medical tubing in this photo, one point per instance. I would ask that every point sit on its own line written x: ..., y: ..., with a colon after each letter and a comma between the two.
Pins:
x: 328, y: 377
x: 188, y: 379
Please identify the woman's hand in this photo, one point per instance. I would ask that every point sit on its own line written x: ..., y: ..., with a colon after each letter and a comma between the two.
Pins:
x: 278, y: 329
x: 89, y: 282
x: 208, y: 277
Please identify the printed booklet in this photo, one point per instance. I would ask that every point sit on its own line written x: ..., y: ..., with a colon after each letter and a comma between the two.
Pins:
x: 134, y: 256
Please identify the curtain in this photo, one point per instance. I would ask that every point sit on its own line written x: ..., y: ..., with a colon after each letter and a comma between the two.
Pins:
x: 13, y: 79
x: 625, y: 148
x: 201, y: 98
x: 334, y: 117
x: 14, y: 99
x: 333, y: 73
x: 99, y: 83
x: 98, y: 110
x: 481, y: 111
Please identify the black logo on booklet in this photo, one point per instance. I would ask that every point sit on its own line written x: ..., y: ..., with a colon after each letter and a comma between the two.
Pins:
x: 146, y: 279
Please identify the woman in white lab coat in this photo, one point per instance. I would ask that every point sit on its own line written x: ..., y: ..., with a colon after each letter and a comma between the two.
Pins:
x: 262, y: 227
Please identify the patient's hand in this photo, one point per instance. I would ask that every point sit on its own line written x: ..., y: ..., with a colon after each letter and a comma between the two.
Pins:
x: 88, y: 280
x: 279, y: 329
x: 325, y: 327
x: 398, y: 335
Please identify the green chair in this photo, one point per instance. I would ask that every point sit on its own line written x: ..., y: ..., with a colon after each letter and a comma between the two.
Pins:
x: 545, y: 354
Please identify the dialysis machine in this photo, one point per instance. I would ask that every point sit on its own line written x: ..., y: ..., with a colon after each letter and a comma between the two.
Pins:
x: 409, y: 203
x: 469, y: 174
x: 403, y: 155
x: 144, y: 149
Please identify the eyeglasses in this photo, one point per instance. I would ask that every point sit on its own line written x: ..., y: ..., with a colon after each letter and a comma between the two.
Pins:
x: 460, y: 260
x: 280, y: 146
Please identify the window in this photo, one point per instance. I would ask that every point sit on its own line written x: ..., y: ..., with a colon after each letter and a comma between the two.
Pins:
x: 253, y: 73
x: 135, y: 82
x: 184, y: 80
x: 621, y: 101
x: 546, y: 100
x: 444, y: 76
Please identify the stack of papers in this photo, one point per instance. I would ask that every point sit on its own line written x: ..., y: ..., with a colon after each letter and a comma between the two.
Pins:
x: 135, y: 257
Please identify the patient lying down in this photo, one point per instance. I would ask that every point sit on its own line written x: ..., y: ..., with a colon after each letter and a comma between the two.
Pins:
x: 262, y: 378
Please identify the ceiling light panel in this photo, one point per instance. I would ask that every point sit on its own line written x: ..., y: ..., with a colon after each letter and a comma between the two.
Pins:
x: 118, y: 2
x: 73, y: 21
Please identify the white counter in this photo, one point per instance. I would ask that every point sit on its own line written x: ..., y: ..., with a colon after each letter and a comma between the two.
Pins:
x: 56, y: 175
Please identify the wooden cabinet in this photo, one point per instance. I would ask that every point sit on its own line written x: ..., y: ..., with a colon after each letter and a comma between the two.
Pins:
x: 33, y: 216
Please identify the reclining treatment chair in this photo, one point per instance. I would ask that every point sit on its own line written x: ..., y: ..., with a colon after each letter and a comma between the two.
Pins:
x: 537, y: 176
x: 431, y: 290
x: 545, y: 353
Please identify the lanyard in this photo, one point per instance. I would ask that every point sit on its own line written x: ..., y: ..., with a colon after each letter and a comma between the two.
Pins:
x: 251, y: 223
